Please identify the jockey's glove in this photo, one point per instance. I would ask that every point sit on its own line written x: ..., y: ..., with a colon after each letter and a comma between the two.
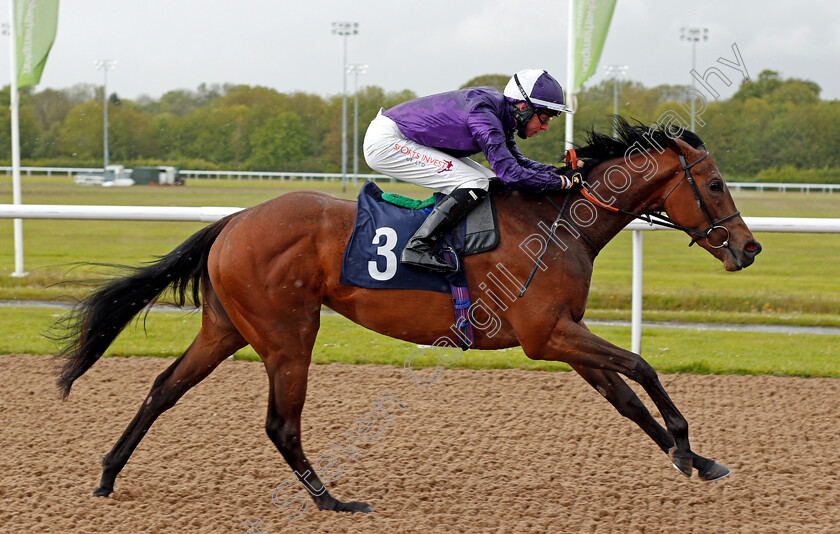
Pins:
x: 571, y: 177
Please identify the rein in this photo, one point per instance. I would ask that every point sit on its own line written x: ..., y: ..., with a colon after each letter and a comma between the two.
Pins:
x: 557, y: 220
x: 651, y: 218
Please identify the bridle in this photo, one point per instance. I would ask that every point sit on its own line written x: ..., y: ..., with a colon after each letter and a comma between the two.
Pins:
x: 713, y: 225
x: 656, y: 216
x: 652, y: 217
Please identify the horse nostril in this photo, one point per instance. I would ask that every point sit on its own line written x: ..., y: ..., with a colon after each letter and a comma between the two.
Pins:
x: 753, y: 248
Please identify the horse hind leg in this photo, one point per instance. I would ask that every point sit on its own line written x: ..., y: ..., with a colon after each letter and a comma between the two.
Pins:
x: 286, y: 351
x: 287, y: 391
x: 216, y: 340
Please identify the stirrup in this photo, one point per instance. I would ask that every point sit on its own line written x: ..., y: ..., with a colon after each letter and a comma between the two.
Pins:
x: 427, y: 260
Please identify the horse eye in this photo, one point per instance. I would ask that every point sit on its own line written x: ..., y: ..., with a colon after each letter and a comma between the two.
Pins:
x: 716, y: 186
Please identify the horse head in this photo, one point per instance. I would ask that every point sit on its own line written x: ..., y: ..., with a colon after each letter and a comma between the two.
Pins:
x: 661, y: 171
x: 698, y: 200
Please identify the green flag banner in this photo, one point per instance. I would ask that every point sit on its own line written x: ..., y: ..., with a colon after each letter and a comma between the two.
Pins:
x: 35, y: 25
x: 592, y: 20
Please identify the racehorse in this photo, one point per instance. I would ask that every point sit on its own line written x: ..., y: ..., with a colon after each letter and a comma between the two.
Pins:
x: 265, y: 272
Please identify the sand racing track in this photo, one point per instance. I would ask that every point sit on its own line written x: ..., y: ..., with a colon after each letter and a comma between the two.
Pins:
x: 477, y: 451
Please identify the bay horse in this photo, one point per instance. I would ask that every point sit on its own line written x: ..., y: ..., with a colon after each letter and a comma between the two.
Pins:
x: 265, y: 272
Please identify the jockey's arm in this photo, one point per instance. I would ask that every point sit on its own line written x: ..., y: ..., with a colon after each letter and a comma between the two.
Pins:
x: 489, y: 135
x: 525, y: 162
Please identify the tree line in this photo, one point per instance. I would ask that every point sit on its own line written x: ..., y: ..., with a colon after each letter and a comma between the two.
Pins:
x: 771, y: 128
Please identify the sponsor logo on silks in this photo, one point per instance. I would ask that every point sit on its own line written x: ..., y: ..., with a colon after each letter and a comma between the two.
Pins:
x: 422, y: 160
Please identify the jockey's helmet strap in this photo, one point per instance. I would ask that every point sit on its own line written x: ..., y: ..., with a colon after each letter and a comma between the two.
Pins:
x: 522, y: 117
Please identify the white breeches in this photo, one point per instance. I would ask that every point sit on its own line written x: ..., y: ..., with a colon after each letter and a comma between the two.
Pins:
x: 387, y: 151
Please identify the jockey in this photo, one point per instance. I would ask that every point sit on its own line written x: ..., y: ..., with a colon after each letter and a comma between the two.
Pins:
x: 427, y: 142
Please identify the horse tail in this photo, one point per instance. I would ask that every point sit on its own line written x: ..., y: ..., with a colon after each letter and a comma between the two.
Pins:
x: 97, y: 320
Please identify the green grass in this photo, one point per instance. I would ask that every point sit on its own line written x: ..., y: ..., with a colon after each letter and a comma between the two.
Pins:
x: 795, y: 273
x: 339, y: 340
x: 717, y: 316
x: 794, y: 281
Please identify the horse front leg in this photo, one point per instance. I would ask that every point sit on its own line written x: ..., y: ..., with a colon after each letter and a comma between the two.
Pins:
x: 613, y: 388
x: 618, y: 393
x: 574, y: 344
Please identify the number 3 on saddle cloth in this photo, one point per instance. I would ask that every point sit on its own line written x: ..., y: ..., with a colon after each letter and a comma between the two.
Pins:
x: 382, y: 229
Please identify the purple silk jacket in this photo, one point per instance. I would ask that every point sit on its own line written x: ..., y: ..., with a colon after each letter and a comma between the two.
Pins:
x: 469, y: 121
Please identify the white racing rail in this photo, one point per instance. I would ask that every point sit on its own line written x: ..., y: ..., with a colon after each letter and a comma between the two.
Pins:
x: 797, y: 225
x: 337, y: 176
x: 210, y: 214
x: 114, y: 213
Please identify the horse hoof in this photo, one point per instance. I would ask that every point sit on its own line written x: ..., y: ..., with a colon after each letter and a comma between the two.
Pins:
x: 687, y: 474
x: 102, y: 492
x: 715, y: 471
x: 683, y: 464
x: 354, y: 507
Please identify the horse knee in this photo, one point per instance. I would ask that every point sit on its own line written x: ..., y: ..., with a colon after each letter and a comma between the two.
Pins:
x: 641, y: 371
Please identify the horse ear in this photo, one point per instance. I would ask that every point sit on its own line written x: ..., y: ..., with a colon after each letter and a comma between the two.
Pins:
x: 681, y: 147
x: 676, y: 144
x: 671, y: 143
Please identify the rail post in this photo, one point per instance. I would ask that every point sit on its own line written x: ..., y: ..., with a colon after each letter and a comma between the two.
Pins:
x: 636, y: 303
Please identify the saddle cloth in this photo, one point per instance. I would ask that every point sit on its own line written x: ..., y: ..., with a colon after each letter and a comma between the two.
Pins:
x: 372, y: 256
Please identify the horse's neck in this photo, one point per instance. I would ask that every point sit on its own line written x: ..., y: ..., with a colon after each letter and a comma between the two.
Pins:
x: 645, y: 192
x: 599, y: 226
x: 582, y: 228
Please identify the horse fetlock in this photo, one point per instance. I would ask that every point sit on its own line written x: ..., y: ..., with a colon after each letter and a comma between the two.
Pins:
x: 359, y: 507
x: 681, y: 461
x: 327, y: 502
x: 678, y: 428
x: 109, y: 475
x: 668, y: 444
x: 353, y: 507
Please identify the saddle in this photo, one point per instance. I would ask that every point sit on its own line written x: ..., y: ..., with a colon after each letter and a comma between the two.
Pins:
x: 384, y: 224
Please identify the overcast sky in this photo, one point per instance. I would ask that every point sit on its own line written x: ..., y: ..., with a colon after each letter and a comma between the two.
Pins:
x: 428, y: 46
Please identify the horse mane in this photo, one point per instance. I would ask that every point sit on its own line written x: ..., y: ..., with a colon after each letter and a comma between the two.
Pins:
x: 601, y: 147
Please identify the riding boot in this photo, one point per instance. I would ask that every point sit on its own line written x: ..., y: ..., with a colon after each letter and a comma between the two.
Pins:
x: 419, y: 251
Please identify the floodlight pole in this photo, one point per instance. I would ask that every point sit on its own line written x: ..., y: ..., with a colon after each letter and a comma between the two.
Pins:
x: 693, y: 34
x: 356, y: 69
x: 105, y: 65
x: 344, y: 29
x: 615, y: 71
